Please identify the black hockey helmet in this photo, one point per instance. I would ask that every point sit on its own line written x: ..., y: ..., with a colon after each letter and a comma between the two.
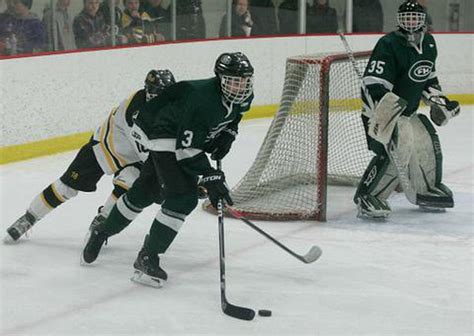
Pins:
x: 156, y: 81
x: 236, y: 76
x: 411, y: 17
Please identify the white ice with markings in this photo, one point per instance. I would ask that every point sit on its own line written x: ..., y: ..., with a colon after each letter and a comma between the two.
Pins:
x: 412, y: 275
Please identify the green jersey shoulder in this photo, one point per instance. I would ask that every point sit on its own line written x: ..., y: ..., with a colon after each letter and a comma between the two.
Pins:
x: 185, y: 117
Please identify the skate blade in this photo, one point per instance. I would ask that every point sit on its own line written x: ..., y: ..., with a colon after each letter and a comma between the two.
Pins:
x: 431, y: 209
x: 143, y: 279
x: 378, y: 217
x: 8, y: 240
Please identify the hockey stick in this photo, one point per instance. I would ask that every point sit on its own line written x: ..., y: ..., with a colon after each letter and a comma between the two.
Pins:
x: 311, y: 256
x: 228, y: 308
x: 390, y: 147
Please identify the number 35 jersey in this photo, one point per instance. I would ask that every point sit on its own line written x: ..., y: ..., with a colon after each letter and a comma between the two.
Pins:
x: 114, y: 147
x: 397, y: 66
x: 184, y: 119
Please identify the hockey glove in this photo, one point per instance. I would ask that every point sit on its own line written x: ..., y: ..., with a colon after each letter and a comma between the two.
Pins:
x: 217, y: 189
x: 441, y: 113
x: 442, y: 109
x: 222, y: 143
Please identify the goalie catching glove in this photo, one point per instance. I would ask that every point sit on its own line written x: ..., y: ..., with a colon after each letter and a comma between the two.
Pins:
x: 441, y: 108
x: 216, y: 187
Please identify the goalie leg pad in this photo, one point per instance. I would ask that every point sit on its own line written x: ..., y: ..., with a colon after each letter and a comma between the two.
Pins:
x: 378, y: 182
x: 426, y: 166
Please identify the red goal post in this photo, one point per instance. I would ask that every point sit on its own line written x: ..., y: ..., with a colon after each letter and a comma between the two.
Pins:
x: 316, y: 138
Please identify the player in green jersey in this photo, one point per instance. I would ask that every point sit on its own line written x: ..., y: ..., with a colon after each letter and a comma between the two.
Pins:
x: 401, y: 72
x: 178, y: 128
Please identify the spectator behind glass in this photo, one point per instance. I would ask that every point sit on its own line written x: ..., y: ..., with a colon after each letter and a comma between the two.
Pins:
x: 62, y: 25
x: 160, y: 16
x: 429, y: 19
x: 90, y: 30
x: 288, y: 17
x: 321, y: 18
x: 190, y: 22
x: 24, y: 33
x: 7, y: 19
x: 136, y: 26
x: 367, y: 16
x: 104, y: 10
x: 264, y: 14
x: 241, y: 20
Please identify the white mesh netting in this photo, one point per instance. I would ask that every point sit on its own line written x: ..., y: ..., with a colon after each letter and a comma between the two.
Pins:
x: 319, y: 110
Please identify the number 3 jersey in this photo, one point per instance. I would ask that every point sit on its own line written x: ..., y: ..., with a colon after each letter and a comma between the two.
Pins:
x: 400, y: 67
x: 114, y: 147
x: 184, y: 119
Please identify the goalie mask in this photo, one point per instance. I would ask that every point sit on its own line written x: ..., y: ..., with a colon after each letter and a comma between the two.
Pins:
x: 411, y: 18
x: 236, y: 76
x: 156, y: 81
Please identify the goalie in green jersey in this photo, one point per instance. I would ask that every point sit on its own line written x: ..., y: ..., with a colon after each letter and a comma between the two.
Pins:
x: 178, y: 128
x: 401, y: 72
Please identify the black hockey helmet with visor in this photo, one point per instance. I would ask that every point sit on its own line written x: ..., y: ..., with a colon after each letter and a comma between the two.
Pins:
x: 236, y: 76
x: 411, y: 17
x: 156, y: 81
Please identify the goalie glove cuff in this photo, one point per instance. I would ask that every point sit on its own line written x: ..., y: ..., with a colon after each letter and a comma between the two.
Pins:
x: 440, y: 114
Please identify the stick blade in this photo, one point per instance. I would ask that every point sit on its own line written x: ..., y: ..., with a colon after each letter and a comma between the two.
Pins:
x: 313, y: 254
x: 240, y: 313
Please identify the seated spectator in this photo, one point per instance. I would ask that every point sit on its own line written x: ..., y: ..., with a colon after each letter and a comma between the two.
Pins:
x: 241, y: 20
x: 90, y: 30
x: 7, y: 19
x: 62, y: 26
x: 288, y: 17
x: 160, y: 16
x: 367, y: 16
x: 136, y: 26
x: 190, y: 22
x: 24, y: 33
x: 104, y: 10
x: 321, y: 18
x: 264, y: 14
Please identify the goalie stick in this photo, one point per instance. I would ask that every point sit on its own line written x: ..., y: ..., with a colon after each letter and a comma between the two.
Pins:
x: 391, y: 146
x: 311, y: 256
x: 228, y: 308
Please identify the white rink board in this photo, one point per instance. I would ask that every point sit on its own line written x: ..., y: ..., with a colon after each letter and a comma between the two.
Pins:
x: 56, y: 95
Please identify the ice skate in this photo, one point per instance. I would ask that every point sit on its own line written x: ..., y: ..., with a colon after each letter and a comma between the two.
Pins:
x: 147, y: 269
x: 94, y: 241
x: 371, y: 207
x: 19, y: 228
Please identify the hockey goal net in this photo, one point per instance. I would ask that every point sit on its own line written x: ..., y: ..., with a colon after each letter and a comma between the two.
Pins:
x: 316, y: 138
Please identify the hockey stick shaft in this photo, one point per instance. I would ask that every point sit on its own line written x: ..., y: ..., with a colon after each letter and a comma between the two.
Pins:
x: 313, y: 254
x: 390, y: 148
x: 228, y: 309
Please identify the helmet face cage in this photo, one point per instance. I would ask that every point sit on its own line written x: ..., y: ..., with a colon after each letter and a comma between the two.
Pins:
x: 156, y: 81
x: 411, y: 22
x: 236, y: 76
x: 236, y: 89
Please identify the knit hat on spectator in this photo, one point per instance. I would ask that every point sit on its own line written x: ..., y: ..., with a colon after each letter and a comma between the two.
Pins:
x: 27, y: 3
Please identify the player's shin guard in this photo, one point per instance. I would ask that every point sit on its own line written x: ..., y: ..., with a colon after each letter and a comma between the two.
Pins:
x: 377, y: 183
x: 50, y: 198
x: 426, y: 167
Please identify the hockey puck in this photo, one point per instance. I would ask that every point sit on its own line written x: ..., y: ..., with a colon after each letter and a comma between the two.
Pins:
x: 265, y: 312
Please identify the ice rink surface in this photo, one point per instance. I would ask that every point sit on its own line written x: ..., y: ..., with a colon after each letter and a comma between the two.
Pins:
x: 411, y: 275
